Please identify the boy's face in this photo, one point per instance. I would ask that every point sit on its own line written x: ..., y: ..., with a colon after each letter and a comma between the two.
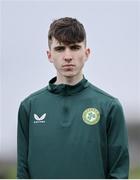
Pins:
x: 68, y: 59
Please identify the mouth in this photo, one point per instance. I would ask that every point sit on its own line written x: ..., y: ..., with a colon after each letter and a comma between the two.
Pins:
x: 68, y: 65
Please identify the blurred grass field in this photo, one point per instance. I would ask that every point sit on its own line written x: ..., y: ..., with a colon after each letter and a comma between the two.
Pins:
x: 134, y: 173
x: 10, y: 173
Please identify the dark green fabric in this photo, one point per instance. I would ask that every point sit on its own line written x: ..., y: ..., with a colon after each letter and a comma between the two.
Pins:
x: 62, y: 145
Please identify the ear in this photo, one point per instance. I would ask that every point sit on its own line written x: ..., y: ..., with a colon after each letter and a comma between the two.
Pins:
x: 49, y: 56
x: 87, y: 52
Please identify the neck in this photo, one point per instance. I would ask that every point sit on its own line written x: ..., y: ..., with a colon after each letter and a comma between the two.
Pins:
x: 70, y: 80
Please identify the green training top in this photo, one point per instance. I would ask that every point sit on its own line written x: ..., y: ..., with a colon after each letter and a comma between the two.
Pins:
x: 71, y: 132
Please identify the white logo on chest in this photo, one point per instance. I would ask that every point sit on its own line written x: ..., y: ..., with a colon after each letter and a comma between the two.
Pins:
x: 39, y: 119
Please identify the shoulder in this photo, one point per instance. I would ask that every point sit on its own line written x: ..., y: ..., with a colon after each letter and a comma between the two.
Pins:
x: 103, y: 97
x: 39, y: 94
x: 100, y: 93
x: 111, y: 105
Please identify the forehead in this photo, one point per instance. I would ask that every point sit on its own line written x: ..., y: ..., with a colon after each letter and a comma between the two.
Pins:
x: 56, y: 43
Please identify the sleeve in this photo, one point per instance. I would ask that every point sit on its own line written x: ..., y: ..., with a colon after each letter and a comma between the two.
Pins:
x: 118, y: 155
x: 22, y: 144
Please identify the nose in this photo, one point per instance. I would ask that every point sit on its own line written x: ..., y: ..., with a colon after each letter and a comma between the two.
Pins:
x: 67, y: 56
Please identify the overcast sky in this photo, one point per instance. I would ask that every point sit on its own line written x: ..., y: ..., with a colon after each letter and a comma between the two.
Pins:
x: 113, y: 34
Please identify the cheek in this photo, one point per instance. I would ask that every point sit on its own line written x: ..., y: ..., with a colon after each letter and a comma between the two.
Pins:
x: 81, y: 58
x: 55, y: 58
x: 57, y: 62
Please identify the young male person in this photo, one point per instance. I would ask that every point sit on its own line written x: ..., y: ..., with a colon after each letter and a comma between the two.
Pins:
x: 71, y: 129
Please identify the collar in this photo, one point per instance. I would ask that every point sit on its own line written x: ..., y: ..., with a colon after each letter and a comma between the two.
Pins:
x: 65, y: 89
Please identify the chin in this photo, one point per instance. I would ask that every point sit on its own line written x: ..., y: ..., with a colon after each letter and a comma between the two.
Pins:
x: 69, y: 74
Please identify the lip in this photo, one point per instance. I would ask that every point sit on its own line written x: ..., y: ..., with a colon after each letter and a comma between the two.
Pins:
x: 68, y: 65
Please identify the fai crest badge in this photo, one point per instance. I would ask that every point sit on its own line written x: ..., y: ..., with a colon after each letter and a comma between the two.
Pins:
x: 91, y: 116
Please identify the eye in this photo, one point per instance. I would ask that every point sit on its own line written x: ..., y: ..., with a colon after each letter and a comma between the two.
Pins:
x: 59, y: 48
x: 75, y: 47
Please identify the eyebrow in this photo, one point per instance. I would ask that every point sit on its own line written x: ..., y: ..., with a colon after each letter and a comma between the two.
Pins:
x: 59, y: 46
x: 63, y: 46
x: 75, y: 45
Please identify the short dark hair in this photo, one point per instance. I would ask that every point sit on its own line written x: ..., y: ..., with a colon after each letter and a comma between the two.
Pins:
x: 67, y: 30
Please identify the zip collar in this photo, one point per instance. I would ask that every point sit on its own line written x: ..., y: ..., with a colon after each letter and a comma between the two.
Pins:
x: 65, y: 89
